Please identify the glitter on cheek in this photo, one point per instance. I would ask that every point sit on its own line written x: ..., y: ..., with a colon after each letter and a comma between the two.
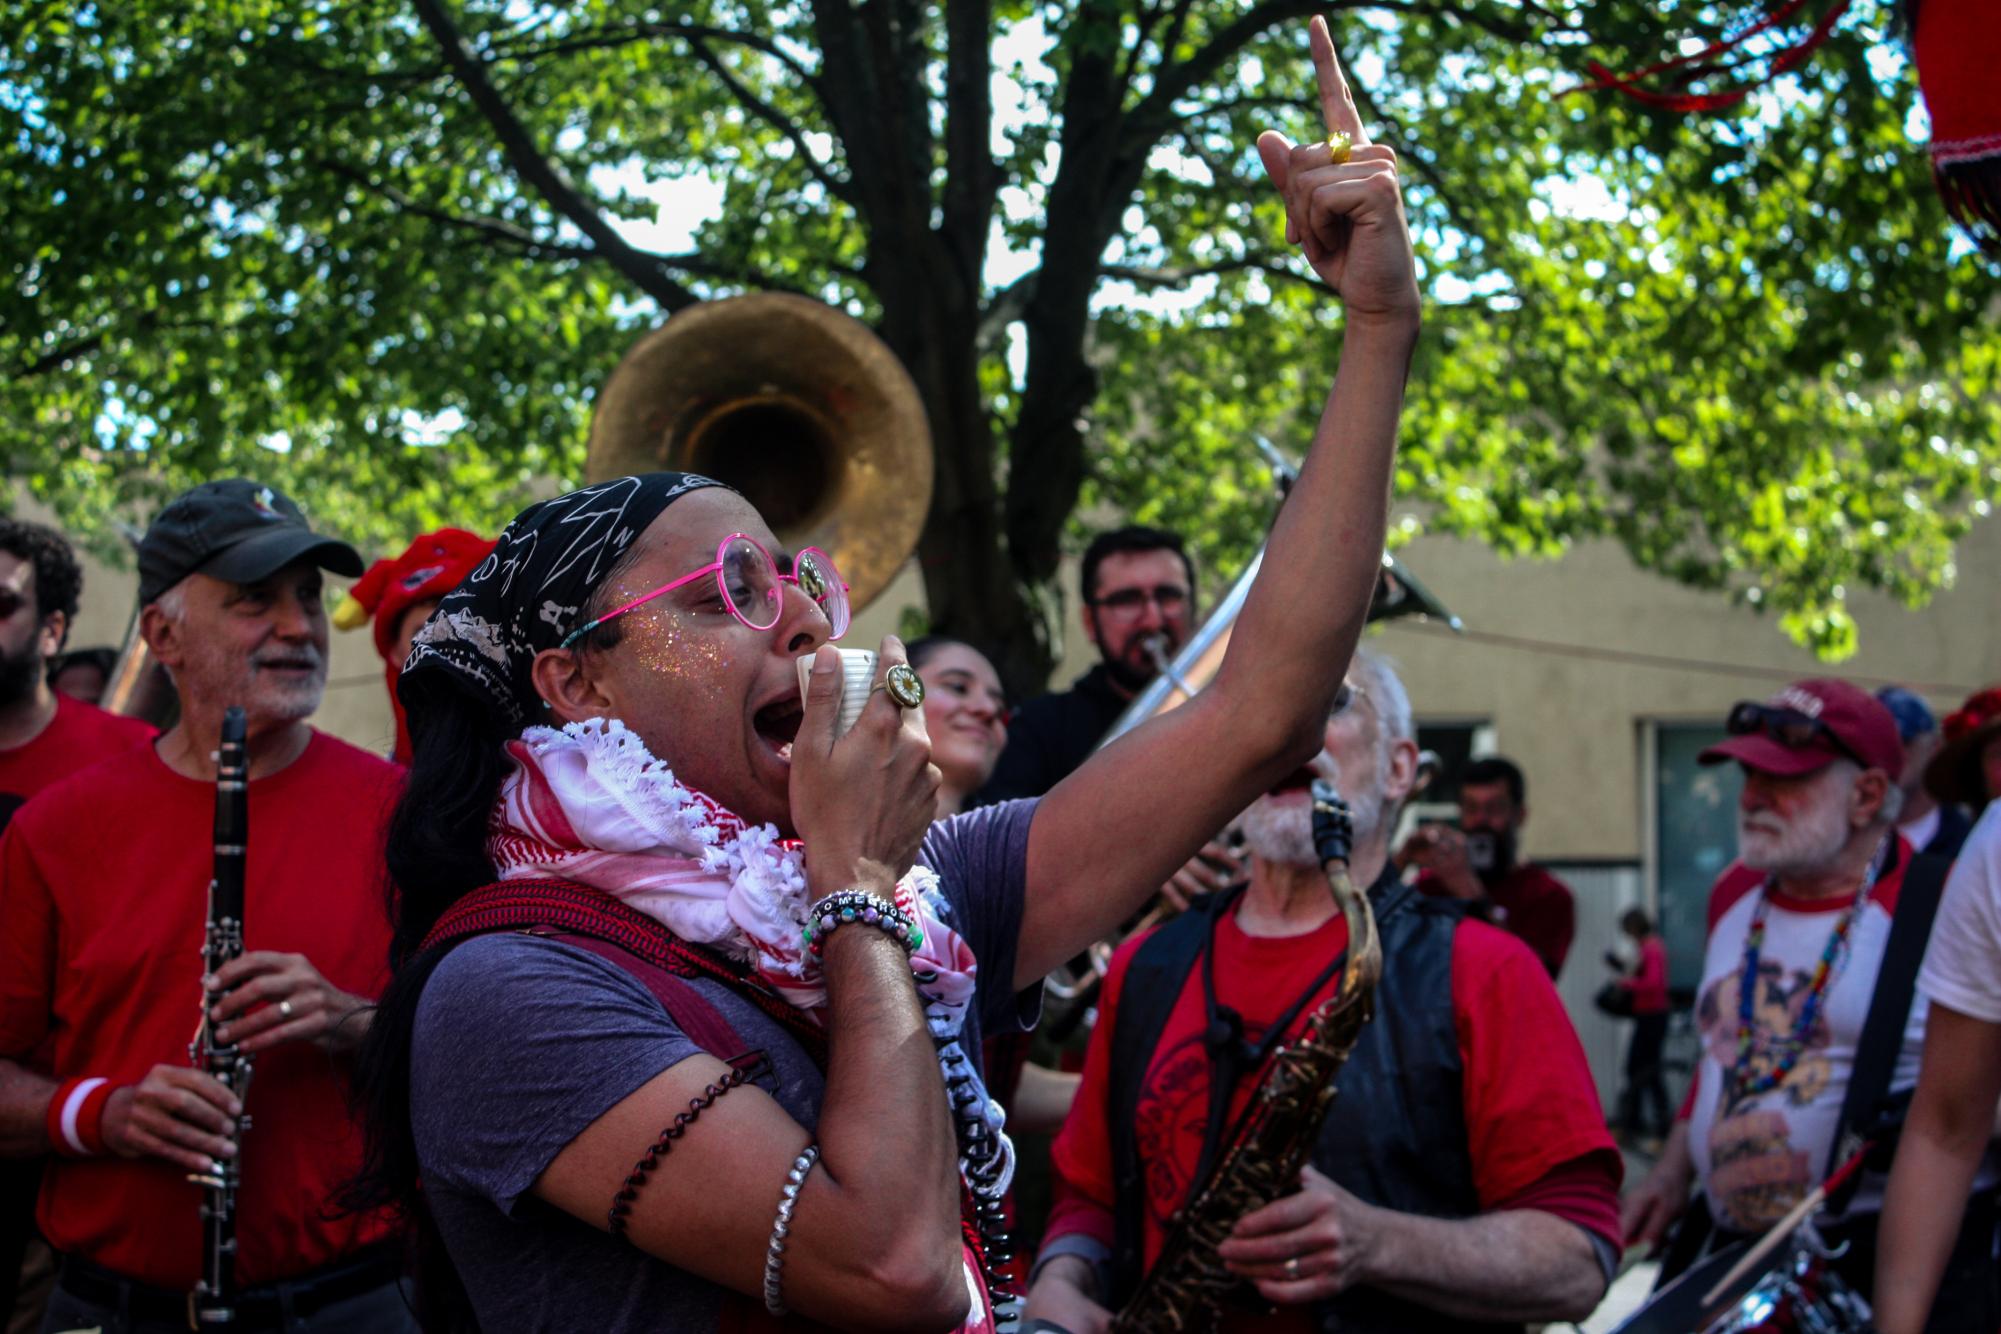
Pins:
x: 678, y: 645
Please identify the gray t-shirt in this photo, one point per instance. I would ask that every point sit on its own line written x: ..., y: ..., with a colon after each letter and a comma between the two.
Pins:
x: 521, y: 1042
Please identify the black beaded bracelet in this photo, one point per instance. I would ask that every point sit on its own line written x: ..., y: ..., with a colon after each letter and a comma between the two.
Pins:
x: 853, y: 905
x: 621, y: 1203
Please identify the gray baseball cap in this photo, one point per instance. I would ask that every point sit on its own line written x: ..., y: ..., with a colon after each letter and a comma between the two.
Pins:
x: 237, y: 530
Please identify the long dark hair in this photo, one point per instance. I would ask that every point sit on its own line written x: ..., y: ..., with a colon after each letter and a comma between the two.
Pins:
x: 436, y: 855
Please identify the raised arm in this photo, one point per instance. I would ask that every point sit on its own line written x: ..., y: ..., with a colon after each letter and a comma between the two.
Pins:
x: 1108, y: 836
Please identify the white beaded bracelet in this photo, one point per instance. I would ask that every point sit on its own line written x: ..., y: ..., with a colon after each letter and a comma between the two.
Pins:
x: 774, y: 1254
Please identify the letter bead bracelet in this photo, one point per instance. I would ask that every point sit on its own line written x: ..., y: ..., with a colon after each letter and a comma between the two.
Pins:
x: 853, y: 905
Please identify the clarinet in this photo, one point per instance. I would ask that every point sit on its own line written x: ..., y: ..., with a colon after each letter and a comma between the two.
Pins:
x: 213, y: 1303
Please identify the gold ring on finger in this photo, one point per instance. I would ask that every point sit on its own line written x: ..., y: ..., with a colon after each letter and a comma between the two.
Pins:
x: 904, y: 685
x: 1340, y: 147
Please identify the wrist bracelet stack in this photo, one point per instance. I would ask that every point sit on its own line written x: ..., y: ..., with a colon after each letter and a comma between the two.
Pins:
x: 854, y: 905
x: 774, y: 1254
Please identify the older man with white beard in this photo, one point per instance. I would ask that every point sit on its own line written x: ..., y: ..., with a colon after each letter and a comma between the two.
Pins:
x: 103, y: 905
x: 1464, y: 1179
x: 1797, y: 933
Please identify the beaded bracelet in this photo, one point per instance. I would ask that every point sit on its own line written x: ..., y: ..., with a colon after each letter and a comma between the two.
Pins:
x: 854, y: 905
x: 621, y: 1203
x: 788, y: 1199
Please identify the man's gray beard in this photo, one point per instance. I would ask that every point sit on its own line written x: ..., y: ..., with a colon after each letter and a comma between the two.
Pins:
x: 1283, y: 832
x: 1812, y: 840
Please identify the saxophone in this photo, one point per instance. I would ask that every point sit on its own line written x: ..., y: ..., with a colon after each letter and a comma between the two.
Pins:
x: 1271, y: 1141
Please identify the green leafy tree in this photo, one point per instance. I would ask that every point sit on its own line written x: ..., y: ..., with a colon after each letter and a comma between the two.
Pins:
x: 379, y: 251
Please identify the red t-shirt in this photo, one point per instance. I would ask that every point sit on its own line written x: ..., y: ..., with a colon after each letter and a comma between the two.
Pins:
x: 1530, y: 1105
x: 103, y: 902
x: 1649, y: 982
x: 77, y: 737
x: 1534, y: 905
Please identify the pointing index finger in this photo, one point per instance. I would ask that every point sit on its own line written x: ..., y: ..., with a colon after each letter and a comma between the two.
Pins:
x: 1337, y: 103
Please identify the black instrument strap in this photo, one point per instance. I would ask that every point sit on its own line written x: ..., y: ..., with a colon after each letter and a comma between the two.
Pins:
x: 1890, y: 1007
x: 1231, y: 1055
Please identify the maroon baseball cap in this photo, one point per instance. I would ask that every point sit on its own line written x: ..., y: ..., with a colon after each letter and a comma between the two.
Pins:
x: 1808, y: 725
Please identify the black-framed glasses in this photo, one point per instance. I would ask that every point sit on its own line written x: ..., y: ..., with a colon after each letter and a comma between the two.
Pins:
x: 1172, y: 599
x: 1789, y: 727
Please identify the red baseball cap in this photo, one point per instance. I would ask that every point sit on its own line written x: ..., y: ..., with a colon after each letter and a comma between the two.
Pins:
x: 1833, y: 720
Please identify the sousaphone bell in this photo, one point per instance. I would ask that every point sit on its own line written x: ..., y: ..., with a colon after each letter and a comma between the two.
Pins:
x: 796, y: 405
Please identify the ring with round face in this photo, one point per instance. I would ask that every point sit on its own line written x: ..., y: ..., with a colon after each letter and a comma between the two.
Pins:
x: 904, y: 685
x: 1292, y: 1267
x: 1341, y: 146
x: 284, y: 1009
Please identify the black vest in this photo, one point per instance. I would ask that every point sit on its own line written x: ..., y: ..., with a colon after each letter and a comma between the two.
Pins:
x: 1396, y: 1137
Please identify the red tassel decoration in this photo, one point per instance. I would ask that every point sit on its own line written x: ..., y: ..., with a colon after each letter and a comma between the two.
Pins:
x: 1958, y: 51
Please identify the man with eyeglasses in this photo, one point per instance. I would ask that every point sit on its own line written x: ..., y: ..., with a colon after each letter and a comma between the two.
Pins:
x: 1138, y: 588
x: 1801, y: 953
x: 1456, y: 1185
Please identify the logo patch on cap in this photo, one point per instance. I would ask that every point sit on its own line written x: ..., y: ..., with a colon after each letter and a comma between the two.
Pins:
x: 264, y: 502
x: 1802, y: 701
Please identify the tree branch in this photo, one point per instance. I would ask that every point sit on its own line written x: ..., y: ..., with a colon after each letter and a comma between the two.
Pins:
x: 773, y: 117
x: 1004, y: 308
x: 972, y: 180
x: 1181, y: 276
x: 493, y: 229
x: 625, y: 35
x: 542, y: 174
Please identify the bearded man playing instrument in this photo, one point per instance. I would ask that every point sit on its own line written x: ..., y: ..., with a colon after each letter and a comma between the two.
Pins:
x: 1800, y: 932
x: 1455, y: 1185
x: 639, y: 1091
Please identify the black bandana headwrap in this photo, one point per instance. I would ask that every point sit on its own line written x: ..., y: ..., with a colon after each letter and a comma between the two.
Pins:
x: 531, y: 591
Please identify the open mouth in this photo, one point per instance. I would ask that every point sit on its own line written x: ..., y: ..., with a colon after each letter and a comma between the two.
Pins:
x: 778, y: 724
x: 1299, y: 780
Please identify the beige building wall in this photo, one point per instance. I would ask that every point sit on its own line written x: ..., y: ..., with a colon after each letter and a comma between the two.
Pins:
x: 1570, y: 659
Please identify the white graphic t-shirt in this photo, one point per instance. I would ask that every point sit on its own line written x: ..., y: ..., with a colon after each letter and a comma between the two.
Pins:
x: 1963, y: 962
x: 1757, y: 1155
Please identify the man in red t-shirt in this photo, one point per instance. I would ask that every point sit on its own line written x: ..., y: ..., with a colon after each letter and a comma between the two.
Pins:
x: 1464, y: 1175
x: 43, y: 737
x: 103, y: 891
x: 1478, y: 862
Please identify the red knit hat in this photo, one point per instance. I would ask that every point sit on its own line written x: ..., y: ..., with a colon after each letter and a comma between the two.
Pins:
x: 429, y: 568
x: 1954, y: 772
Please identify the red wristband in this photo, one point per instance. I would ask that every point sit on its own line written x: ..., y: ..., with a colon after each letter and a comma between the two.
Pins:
x: 75, y: 1118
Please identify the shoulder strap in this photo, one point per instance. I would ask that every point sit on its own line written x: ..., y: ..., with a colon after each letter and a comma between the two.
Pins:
x: 1154, y: 976
x: 691, y: 1011
x: 1890, y: 1008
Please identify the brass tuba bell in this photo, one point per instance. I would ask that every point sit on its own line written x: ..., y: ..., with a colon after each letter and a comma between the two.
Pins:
x: 797, y: 406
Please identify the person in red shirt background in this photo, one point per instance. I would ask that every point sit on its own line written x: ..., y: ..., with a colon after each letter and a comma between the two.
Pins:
x: 1479, y: 862
x: 44, y: 737
x: 1644, y: 1110
x: 398, y: 593
x: 103, y: 888
x: 1464, y: 1178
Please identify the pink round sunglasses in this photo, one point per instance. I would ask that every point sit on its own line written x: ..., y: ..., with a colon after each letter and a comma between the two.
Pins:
x: 757, y: 576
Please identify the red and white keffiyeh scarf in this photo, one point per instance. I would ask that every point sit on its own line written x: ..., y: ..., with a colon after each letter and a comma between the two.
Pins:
x: 591, y: 804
